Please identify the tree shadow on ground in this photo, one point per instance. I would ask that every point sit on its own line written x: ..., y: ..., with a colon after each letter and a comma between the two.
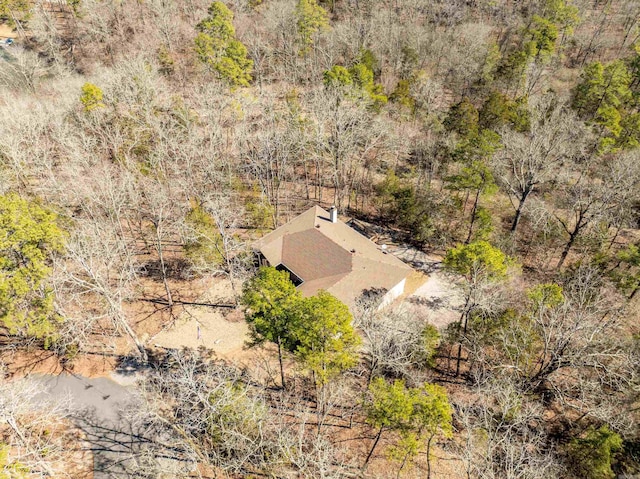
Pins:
x: 158, y: 359
x: 175, y: 268
x: 130, y: 444
x: 434, y: 302
x: 22, y: 360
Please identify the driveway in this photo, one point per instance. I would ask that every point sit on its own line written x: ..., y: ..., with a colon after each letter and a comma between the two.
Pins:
x: 97, y: 407
x: 437, y: 299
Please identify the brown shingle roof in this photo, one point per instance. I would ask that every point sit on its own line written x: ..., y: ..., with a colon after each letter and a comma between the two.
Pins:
x: 311, y: 255
x: 331, y: 256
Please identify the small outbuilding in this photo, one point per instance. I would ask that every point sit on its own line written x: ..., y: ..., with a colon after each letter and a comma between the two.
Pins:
x: 321, y: 252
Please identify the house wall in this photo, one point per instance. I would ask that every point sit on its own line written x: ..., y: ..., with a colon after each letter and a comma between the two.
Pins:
x: 260, y: 259
x: 393, y: 293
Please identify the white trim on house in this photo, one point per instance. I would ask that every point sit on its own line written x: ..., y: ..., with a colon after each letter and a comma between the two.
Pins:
x: 393, y: 293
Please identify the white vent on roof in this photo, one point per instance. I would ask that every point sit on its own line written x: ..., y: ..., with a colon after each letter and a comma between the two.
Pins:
x: 333, y: 214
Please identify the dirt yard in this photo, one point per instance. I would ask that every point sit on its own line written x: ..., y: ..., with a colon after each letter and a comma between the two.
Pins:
x: 219, y: 328
x: 7, y: 32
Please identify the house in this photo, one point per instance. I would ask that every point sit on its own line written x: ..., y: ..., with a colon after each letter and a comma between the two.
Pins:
x: 321, y: 252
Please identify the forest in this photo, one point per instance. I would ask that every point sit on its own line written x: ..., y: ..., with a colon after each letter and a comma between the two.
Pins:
x: 493, y: 145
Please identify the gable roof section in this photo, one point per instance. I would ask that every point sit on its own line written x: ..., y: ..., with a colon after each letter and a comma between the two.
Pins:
x: 367, y: 274
x: 313, y: 255
x: 273, y: 251
x: 331, y: 256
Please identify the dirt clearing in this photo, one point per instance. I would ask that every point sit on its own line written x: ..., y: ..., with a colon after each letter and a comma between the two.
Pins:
x: 7, y: 32
x: 218, y: 328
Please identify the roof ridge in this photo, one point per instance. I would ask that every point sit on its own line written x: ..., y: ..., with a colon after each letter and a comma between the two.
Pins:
x: 400, y: 264
x: 395, y: 262
x: 295, y: 218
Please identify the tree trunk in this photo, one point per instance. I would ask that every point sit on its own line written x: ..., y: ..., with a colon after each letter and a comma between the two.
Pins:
x: 306, y: 179
x: 613, y: 240
x: 458, y: 359
x: 464, y: 332
x: 320, y: 407
x: 372, y: 369
x: 134, y: 337
x: 163, y: 266
x: 429, y: 457
x: 567, y: 248
x: 404, y: 463
x: 521, y: 202
x: 121, y: 320
x: 373, y: 448
x: 319, y: 181
x: 473, y: 216
x: 595, y: 35
x: 284, y: 385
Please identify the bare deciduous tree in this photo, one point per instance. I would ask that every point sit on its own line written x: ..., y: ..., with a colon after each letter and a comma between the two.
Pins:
x: 349, y: 142
x: 395, y: 342
x: 23, y: 70
x: 595, y: 196
x: 529, y: 160
x: 207, y: 408
x: 504, y: 437
x: 33, y: 434
x: 100, y: 269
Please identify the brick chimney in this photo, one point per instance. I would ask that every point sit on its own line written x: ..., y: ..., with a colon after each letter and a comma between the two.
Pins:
x: 333, y: 214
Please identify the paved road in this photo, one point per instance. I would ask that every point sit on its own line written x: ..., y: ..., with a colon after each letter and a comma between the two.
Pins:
x: 96, y: 407
x: 102, y: 395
